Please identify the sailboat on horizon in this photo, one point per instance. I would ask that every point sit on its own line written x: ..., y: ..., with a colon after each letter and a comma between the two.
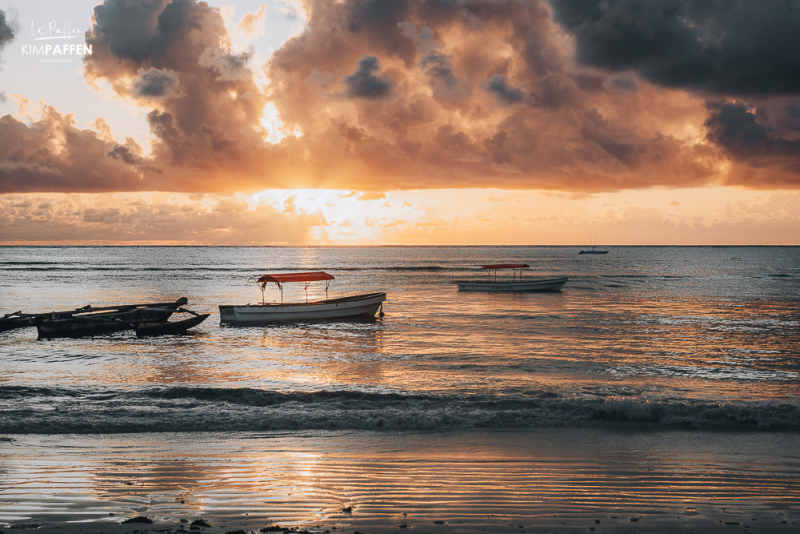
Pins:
x: 593, y: 249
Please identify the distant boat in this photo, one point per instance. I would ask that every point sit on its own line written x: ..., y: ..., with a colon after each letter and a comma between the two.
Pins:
x: 516, y: 284
x: 593, y: 250
x: 349, y: 307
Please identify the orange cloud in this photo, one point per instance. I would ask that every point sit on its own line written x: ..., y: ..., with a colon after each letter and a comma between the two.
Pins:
x: 389, y: 95
x: 146, y: 218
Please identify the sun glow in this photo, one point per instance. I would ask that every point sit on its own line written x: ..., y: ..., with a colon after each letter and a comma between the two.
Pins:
x: 275, y: 127
x: 416, y: 217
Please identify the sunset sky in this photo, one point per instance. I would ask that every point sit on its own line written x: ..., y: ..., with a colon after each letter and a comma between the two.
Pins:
x: 400, y: 122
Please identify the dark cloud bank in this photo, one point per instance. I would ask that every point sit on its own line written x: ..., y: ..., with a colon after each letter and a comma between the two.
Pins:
x: 8, y: 31
x: 743, y: 56
x: 566, y: 94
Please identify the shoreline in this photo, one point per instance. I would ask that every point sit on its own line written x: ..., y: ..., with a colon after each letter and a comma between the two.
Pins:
x: 553, y: 480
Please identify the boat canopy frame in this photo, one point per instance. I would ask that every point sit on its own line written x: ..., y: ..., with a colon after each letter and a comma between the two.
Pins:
x: 279, y: 279
x: 516, y: 267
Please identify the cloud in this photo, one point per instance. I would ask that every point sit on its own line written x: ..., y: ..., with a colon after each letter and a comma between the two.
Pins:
x: 437, y: 65
x: 147, y: 218
x: 8, y: 30
x: 207, y: 106
x: 253, y: 24
x: 743, y: 57
x: 363, y: 83
x: 380, y: 96
x: 499, y: 87
x: 763, y: 151
x: 372, y: 195
x: 155, y: 83
x: 748, y: 47
x: 53, y: 154
x: 523, y: 130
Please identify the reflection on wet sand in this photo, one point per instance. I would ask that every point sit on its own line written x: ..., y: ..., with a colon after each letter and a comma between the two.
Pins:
x: 561, y: 477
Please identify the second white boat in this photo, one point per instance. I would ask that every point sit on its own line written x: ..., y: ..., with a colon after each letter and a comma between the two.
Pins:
x: 516, y: 284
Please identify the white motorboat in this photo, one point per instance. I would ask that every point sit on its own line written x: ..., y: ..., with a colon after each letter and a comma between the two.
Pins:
x: 517, y: 282
x: 349, y: 307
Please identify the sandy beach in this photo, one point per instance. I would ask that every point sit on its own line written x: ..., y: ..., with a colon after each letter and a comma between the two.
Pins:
x: 547, y: 480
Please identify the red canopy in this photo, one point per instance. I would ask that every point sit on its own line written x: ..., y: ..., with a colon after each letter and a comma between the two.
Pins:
x: 294, y: 277
x: 506, y: 266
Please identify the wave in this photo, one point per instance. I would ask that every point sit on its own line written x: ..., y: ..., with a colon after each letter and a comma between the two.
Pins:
x: 28, y: 410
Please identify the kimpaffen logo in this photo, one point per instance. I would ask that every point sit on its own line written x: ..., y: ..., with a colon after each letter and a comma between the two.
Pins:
x: 55, y: 52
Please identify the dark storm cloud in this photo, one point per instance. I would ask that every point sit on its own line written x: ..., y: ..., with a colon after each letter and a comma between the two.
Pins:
x: 364, y: 83
x: 138, y: 30
x: 746, y: 134
x: 377, y: 21
x: 155, y: 83
x: 7, y: 31
x: 760, y: 141
x: 733, y: 47
x: 498, y: 86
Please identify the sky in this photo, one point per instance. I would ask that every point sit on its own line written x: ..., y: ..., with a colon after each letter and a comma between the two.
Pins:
x: 400, y: 122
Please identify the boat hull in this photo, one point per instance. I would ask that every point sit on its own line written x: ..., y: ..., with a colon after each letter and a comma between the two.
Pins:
x: 593, y: 252
x: 534, y: 284
x: 355, y: 306
x: 11, y: 323
x: 99, y: 324
x: 169, y: 328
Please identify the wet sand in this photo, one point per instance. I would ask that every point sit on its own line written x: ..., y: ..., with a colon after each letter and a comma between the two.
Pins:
x: 544, y: 480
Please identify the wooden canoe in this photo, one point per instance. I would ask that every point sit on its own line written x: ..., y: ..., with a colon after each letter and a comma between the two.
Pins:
x: 19, y: 319
x: 52, y: 326
x: 169, y: 328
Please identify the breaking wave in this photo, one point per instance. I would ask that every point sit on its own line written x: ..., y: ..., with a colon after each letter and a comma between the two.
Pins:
x: 27, y: 410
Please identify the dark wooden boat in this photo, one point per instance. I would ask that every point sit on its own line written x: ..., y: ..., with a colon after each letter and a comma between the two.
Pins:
x: 91, y: 324
x: 10, y: 321
x: 170, y: 328
x: 19, y: 319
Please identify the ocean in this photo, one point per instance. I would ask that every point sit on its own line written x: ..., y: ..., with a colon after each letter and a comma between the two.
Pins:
x: 686, y: 343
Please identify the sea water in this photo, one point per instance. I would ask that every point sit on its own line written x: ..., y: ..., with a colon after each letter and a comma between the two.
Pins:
x: 661, y: 387
x: 651, y: 337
